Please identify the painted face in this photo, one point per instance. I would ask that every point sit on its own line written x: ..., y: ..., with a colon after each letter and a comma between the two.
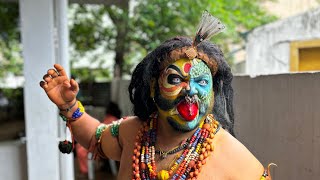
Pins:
x: 184, y: 95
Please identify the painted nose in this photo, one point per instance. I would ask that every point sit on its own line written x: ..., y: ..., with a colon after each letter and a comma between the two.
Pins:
x: 191, y: 90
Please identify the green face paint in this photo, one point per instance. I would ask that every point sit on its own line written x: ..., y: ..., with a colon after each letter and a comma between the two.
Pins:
x: 185, y: 95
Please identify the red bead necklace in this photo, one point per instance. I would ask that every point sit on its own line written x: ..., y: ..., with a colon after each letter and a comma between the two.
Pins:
x: 187, y: 166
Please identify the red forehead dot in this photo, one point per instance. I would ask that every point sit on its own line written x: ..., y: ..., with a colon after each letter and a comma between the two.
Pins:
x: 187, y: 67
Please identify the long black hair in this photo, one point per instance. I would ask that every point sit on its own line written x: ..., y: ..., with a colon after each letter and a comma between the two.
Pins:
x: 149, y: 69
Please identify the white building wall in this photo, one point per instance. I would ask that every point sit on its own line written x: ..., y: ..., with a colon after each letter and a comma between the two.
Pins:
x: 268, y: 47
x: 287, y: 8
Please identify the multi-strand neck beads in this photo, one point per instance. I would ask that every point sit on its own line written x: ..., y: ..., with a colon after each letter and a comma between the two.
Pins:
x: 187, y: 166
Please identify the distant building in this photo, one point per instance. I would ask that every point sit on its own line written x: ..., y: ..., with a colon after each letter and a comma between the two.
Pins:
x: 287, y: 45
x: 244, y: 64
x: 287, y: 8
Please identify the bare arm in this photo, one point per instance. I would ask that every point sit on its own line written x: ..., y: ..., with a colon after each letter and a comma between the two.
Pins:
x: 237, y: 161
x: 62, y: 91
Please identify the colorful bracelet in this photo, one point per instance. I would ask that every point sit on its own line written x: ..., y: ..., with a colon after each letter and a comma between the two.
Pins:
x: 76, y: 114
x: 69, y: 108
x: 67, y: 146
x: 79, y: 112
x: 63, y: 117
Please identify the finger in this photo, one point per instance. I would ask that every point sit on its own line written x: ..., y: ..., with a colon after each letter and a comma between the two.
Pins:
x: 53, y: 73
x: 43, y: 84
x: 47, y: 78
x: 68, y: 92
x: 60, y: 69
x: 74, y: 85
x: 66, y: 84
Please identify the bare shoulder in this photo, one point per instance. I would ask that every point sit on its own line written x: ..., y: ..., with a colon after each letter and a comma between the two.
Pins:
x: 239, y: 162
x: 131, y: 121
x: 128, y: 130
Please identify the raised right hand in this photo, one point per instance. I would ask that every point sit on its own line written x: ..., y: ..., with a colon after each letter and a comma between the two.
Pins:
x: 60, y: 89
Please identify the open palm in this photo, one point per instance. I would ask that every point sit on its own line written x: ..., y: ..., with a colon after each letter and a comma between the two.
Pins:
x: 59, y: 88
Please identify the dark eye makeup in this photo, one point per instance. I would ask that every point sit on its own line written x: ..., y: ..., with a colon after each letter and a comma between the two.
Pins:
x: 174, y: 79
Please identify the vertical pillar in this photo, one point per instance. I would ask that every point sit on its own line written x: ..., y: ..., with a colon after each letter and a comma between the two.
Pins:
x: 37, y: 27
x: 62, y: 55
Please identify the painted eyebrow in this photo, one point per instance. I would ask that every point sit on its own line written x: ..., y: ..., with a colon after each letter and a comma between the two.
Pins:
x: 176, y: 69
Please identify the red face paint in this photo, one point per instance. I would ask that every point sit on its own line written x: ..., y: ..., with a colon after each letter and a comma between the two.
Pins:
x: 187, y: 67
x: 188, y: 111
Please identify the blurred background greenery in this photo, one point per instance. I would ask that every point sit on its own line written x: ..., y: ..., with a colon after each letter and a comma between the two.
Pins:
x: 130, y: 30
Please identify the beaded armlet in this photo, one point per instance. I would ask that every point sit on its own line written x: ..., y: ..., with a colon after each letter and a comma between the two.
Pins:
x: 114, y: 130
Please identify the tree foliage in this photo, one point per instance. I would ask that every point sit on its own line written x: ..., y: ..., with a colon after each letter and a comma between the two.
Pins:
x: 135, y: 32
x: 10, y: 49
x: 132, y: 29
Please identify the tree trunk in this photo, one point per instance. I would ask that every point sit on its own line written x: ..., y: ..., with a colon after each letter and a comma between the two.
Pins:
x: 121, y: 24
x: 117, y: 72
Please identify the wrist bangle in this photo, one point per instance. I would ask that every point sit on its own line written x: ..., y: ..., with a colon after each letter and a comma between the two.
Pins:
x: 63, y: 117
x: 79, y: 112
x: 67, y: 146
x: 69, y: 108
x: 76, y: 114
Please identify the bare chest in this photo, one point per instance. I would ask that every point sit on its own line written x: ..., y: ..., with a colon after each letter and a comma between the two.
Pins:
x: 209, y: 171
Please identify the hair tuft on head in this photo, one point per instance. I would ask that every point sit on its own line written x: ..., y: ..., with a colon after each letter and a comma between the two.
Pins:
x: 208, y: 27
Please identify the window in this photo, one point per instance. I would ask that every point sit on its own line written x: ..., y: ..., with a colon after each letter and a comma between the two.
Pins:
x: 305, y: 55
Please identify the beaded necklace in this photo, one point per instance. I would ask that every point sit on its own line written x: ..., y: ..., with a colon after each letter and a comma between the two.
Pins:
x: 164, y: 154
x: 187, y: 166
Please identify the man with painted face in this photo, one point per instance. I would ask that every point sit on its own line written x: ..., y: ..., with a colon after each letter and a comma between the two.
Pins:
x: 184, y: 94
x: 183, y: 123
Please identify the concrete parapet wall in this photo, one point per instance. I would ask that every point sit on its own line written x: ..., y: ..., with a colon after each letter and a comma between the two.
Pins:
x: 277, y: 118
